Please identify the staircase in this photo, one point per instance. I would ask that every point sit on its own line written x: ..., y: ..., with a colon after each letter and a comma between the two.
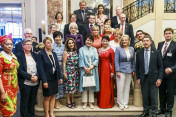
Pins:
x: 65, y: 111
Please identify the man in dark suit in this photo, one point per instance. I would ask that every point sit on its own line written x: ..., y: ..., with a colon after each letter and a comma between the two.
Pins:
x: 126, y: 28
x: 73, y: 18
x: 149, y: 73
x: 27, y: 34
x: 82, y: 14
x: 87, y: 27
x: 166, y: 91
x: 115, y: 19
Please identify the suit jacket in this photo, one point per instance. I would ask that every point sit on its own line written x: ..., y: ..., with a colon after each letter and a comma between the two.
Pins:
x: 22, y: 70
x: 46, y: 67
x: 86, y: 29
x: 155, y: 66
x: 169, y: 61
x: 19, y: 48
x: 129, y: 32
x: 121, y: 63
x: 67, y: 31
x: 79, y: 16
x: 114, y: 21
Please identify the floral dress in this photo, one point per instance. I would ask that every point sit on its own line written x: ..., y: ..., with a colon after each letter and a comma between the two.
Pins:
x: 8, y: 72
x: 100, y: 21
x: 71, y: 85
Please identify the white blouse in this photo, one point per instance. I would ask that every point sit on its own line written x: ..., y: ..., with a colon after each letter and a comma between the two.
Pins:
x: 128, y: 54
x: 32, y: 70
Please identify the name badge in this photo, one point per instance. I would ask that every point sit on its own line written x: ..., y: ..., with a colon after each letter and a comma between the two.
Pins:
x: 169, y: 54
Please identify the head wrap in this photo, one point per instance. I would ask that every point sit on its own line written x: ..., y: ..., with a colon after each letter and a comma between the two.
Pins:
x: 4, y: 38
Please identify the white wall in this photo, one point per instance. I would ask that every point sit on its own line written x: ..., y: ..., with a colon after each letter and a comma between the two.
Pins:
x: 148, y: 27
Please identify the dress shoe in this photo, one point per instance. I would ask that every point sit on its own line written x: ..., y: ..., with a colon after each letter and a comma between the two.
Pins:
x: 91, y: 105
x: 168, y: 115
x: 145, y: 114
x: 160, y: 112
x: 84, y: 106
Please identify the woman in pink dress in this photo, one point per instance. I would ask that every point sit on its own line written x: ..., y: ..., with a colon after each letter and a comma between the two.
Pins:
x: 105, y: 98
x: 101, y: 17
x: 97, y: 38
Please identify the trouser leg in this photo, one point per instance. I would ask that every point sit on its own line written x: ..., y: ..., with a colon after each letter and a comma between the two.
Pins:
x: 91, y: 96
x: 127, y: 89
x: 84, y: 96
x: 120, y: 89
x: 145, y: 88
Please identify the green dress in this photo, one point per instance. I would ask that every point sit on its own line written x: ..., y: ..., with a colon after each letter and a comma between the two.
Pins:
x: 71, y: 85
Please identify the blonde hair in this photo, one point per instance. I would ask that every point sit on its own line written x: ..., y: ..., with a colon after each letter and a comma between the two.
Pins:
x: 103, y: 31
x: 93, y: 28
x: 117, y: 30
x: 47, y: 38
x: 122, y: 40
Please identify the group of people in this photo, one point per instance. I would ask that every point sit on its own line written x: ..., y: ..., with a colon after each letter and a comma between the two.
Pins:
x: 90, y: 45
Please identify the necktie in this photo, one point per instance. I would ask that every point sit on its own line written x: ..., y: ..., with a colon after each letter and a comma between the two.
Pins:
x: 83, y: 15
x: 165, y: 49
x: 91, y: 29
x: 146, y: 61
x: 122, y: 28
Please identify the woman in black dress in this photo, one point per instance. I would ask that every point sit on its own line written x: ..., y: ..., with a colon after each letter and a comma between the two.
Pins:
x: 49, y: 72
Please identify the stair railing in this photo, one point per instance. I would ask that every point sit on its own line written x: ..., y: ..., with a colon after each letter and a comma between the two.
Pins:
x: 138, y: 9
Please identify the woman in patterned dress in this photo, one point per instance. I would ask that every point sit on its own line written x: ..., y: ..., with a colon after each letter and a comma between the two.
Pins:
x: 70, y: 71
x: 101, y: 17
x: 58, y: 48
x: 8, y: 77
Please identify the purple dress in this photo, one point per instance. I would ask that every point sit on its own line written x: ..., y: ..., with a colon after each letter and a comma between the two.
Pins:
x: 78, y: 39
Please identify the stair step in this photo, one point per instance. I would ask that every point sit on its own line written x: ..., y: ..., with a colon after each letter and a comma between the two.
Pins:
x: 65, y: 111
x: 78, y: 99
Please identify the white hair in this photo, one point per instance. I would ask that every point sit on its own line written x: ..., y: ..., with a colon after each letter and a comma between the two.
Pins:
x: 27, y: 29
x: 73, y: 25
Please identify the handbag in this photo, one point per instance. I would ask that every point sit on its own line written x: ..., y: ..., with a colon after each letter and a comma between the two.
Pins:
x: 89, y: 80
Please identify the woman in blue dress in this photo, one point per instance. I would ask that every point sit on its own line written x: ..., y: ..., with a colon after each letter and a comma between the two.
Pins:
x: 85, y: 53
x: 58, y: 48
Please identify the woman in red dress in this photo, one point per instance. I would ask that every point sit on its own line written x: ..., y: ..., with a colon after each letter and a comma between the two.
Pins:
x: 105, y: 98
x: 8, y: 77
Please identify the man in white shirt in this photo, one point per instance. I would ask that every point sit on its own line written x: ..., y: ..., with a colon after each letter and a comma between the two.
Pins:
x: 126, y: 28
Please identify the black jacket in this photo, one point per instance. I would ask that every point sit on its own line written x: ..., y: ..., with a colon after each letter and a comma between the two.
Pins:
x: 22, y: 70
x: 155, y: 66
x: 169, y: 61
x: 114, y: 21
x: 129, y: 32
x: 46, y: 67
x: 79, y: 16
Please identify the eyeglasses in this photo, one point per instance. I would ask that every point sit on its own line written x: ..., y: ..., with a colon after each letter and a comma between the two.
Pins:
x: 28, y: 44
x: 7, y: 44
x: 29, y: 33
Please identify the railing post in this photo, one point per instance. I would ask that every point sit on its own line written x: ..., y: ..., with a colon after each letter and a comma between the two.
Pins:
x: 138, y: 9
